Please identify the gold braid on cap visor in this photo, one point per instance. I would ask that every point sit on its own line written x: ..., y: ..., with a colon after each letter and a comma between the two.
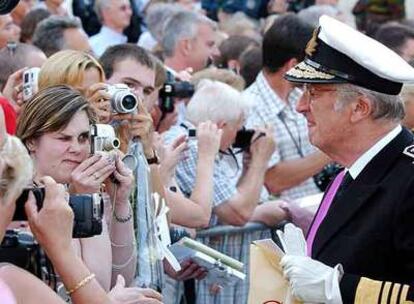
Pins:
x: 303, y: 70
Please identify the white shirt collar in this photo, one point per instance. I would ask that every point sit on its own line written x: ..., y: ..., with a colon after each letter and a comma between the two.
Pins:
x: 365, y: 158
x: 113, y: 35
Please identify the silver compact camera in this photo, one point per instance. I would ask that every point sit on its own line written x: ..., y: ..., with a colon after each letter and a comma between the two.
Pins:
x: 30, y: 83
x: 122, y: 99
x: 103, y: 138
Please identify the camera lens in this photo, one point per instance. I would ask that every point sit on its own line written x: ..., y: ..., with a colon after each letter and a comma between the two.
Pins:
x: 129, y: 102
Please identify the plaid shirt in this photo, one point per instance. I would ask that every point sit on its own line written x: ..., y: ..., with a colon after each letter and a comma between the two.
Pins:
x: 270, y: 109
x: 186, y: 170
x: 236, y: 246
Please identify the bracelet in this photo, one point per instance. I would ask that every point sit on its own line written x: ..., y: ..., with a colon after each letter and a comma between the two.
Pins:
x: 134, y: 243
x: 123, y: 219
x: 120, y: 267
x: 82, y: 283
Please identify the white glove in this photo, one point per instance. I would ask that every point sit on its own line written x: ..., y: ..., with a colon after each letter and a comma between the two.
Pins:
x: 312, y: 281
x: 292, y: 240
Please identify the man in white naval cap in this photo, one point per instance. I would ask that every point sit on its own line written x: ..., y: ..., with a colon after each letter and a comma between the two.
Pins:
x: 364, y: 226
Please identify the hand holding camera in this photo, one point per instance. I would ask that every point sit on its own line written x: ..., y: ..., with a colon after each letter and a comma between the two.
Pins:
x: 105, y: 143
x: 53, y: 224
x: 137, y: 126
x: 99, y: 98
x: 263, y: 145
x: 209, y: 137
x: 124, y: 182
x: 30, y: 83
x: 13, y: 89
x: 171, y: 155
x: 91, y: 173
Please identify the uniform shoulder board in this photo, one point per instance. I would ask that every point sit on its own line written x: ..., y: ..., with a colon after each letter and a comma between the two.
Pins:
x: 409, y: 151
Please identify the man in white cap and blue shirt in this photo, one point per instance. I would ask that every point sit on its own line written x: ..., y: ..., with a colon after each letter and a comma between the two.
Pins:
x: 364, y: 227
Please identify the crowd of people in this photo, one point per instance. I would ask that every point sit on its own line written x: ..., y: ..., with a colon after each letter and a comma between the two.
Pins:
x: 233, y: 113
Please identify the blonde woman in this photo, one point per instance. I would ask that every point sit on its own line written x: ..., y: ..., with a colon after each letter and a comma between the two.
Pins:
x: 81, y: 71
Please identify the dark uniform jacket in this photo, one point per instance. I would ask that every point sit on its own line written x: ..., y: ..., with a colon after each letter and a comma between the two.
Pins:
x: 369, y: 228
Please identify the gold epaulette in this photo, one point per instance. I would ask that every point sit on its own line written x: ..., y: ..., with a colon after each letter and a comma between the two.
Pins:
x: 371, y: 291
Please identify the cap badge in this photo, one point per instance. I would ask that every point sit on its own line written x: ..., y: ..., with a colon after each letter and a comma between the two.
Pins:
x: 312, y: 44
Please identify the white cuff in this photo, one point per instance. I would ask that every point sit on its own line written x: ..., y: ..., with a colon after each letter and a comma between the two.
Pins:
x: 333, y: 292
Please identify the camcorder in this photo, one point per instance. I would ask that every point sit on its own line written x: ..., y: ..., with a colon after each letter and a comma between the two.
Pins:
x: 30, y: 83
x: 87, y: 208
x: 122, y: 99
x: 103, y: 138
x: 173, y: 89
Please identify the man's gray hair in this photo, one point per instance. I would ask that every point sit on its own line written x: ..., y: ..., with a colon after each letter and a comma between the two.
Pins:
x: 387, y: 107
x: 181, y: 25
x: 216, y: 101
x: 98, y: 6
x: 49, y: 33
x: 156, y: 16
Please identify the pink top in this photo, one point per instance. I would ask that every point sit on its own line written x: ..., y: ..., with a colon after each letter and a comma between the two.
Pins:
x: 323, y: 210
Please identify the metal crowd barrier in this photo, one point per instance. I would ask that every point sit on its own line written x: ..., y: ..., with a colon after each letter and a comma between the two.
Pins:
x: 227, y: 230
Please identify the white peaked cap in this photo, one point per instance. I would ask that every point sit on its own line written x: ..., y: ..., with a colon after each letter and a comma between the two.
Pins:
x: 337, y: 53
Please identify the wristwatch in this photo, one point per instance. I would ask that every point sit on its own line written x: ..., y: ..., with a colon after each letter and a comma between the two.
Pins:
x: 154, y: 159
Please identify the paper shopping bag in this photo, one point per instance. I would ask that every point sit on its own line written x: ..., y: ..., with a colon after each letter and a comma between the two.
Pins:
x: 267, y: 284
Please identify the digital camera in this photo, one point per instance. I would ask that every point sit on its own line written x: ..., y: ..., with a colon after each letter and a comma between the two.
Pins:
x: 103, y: 138
x: 30, y: 83
x: 122, y: 99
x: 171, y: 90
x: 87, y: 208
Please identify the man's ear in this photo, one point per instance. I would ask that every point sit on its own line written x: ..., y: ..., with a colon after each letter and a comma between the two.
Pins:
x: 221, y: 124
x: 290, y: 64
x: 361, y: 108
x: 185, y: 46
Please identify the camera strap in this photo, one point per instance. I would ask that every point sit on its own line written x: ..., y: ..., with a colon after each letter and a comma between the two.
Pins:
x: 298, y: 144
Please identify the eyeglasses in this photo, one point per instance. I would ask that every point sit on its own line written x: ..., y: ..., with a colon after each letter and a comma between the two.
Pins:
x: 312, y: 91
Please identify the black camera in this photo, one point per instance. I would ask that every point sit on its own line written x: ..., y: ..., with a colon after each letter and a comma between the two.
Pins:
x: 174, y: 89
x: 87, y: 208
x: 19, y: 247
x: 243, y: 138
